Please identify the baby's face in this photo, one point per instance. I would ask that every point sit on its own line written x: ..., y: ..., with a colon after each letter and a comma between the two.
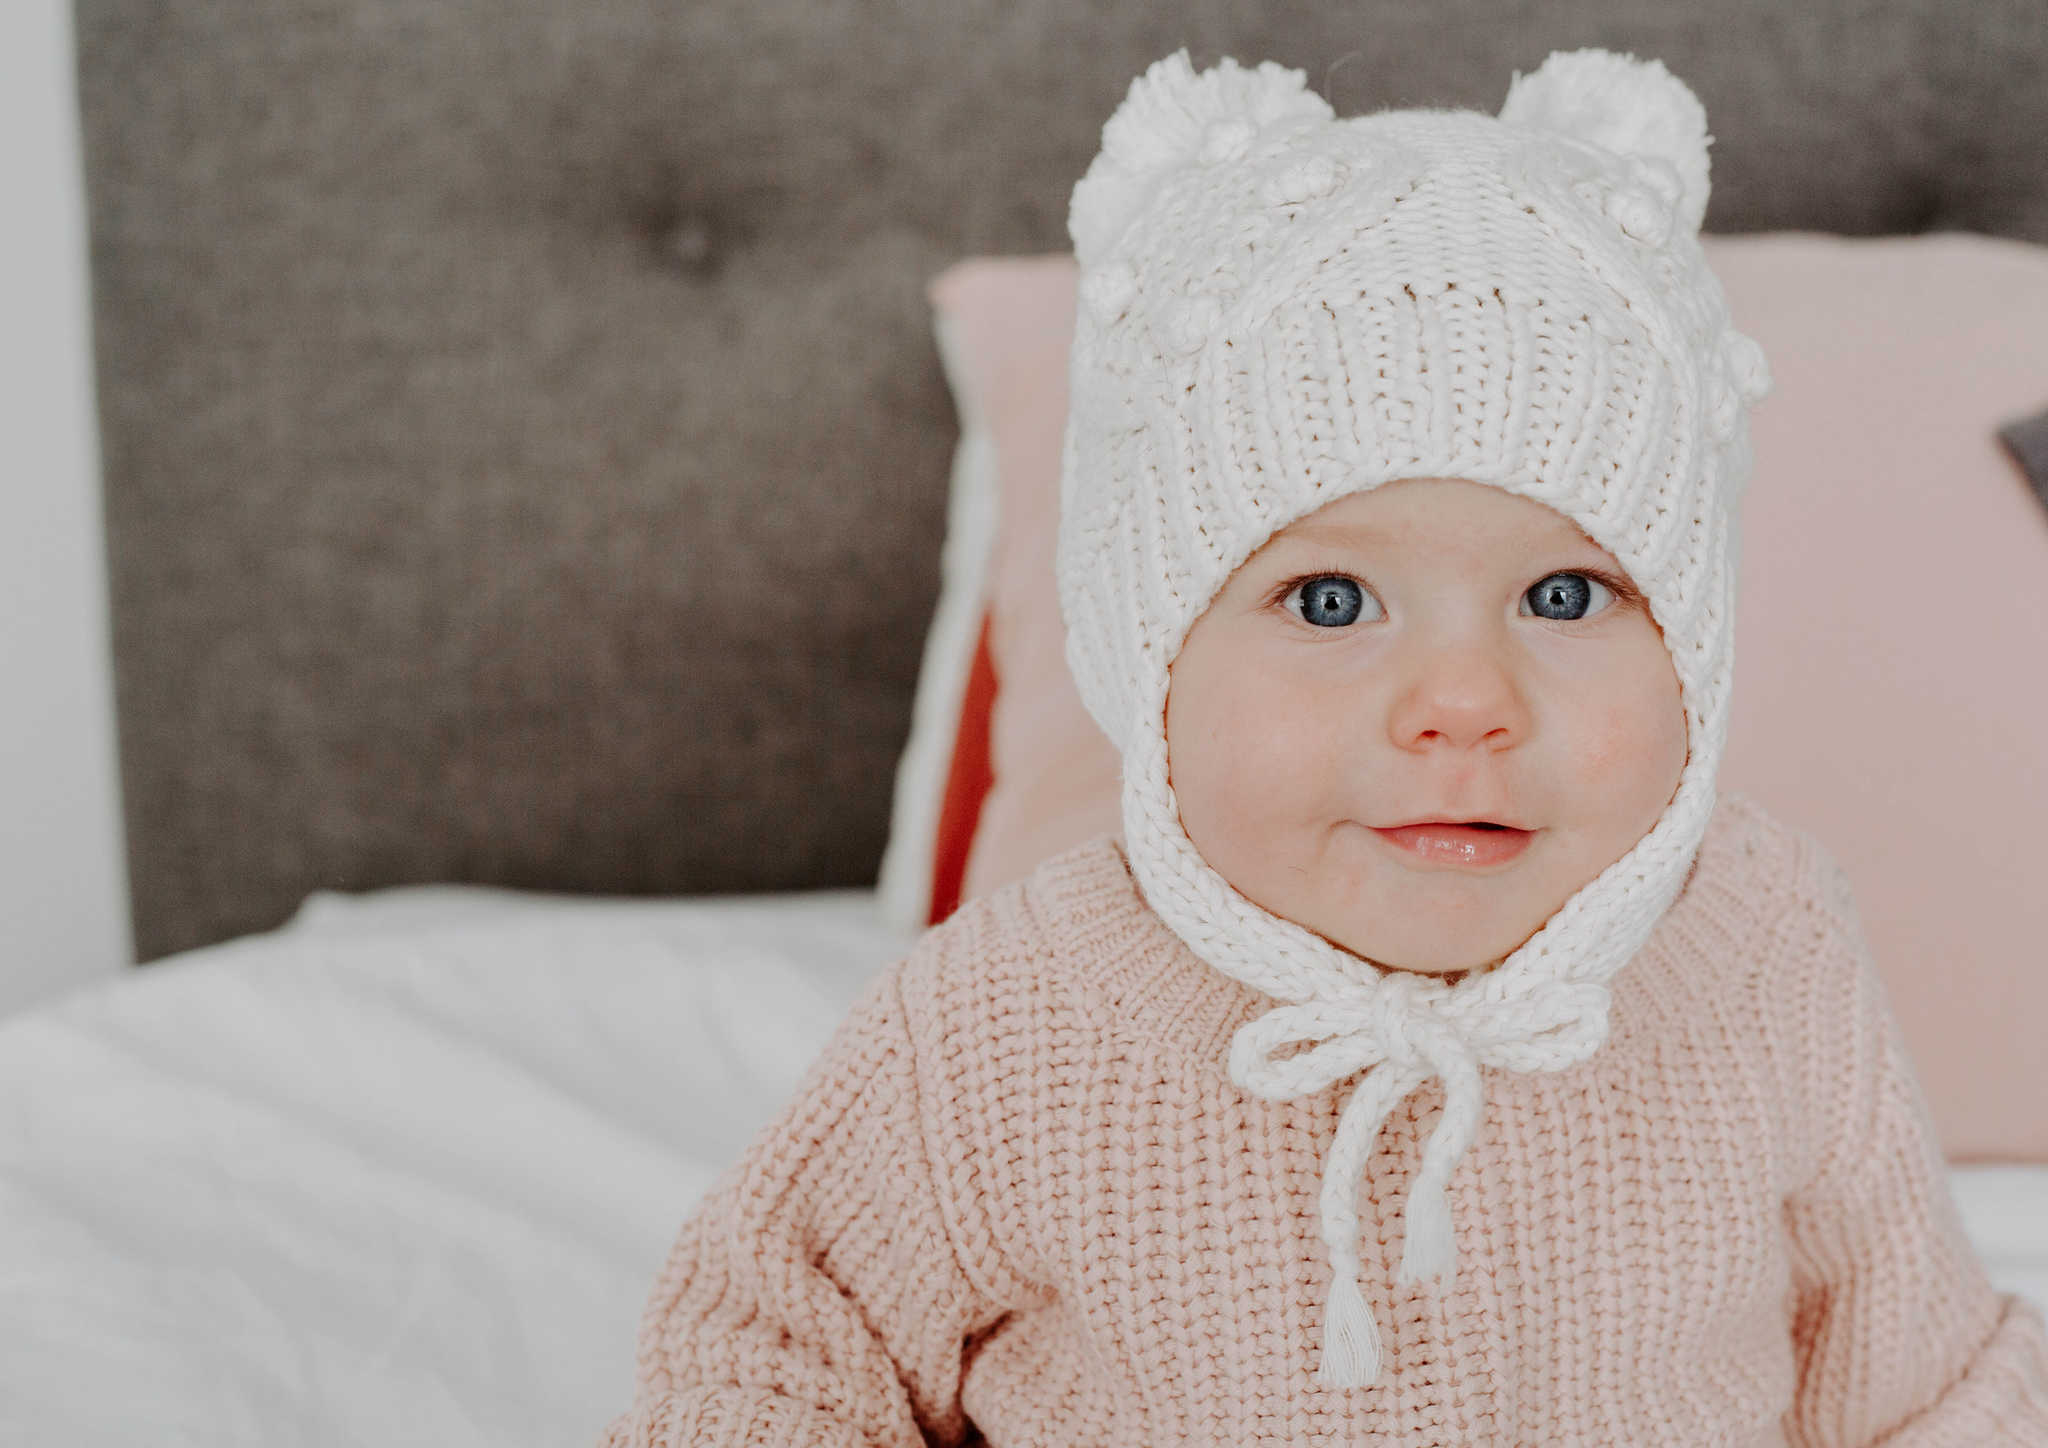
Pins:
x: 1418, y: 721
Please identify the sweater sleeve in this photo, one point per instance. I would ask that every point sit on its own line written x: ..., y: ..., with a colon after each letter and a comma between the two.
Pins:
x: 1901, y: 1338
x: 814, y: 1297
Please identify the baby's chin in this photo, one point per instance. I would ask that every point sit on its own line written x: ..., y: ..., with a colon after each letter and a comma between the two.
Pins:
x: 1357, y: 893
x: 1413, y: 936
x: 1436, y: 921
x: 1436, y: 962
x: 1420, y: 951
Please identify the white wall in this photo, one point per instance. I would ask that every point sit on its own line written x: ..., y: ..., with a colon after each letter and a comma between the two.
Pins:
x: 63, y: 887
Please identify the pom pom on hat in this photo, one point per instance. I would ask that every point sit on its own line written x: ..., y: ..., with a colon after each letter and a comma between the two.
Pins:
x: 1174, y: 117
x: 1621, y: 104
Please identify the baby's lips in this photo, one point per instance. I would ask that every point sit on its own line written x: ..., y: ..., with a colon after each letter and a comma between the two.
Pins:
x: 1439, y: 842
x: 1504, y: 819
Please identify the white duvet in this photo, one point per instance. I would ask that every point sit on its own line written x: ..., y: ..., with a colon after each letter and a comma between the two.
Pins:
x: 401, y: 1173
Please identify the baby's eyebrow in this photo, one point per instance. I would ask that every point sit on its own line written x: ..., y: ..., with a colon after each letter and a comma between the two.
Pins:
x: 1338, y: 534
x: 1324, y: 533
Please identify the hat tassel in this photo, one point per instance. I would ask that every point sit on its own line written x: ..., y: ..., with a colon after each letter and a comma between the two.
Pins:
x: 1351, y: 1339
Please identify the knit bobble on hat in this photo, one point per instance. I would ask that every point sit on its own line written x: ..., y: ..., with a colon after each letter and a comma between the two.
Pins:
x: 1271, y: 318
x: 1107, y: 290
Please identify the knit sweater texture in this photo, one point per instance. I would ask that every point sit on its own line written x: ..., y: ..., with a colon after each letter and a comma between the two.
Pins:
x: 1019, y: 1196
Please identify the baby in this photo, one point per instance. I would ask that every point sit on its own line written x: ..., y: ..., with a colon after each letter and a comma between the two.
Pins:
x: 1432, y: 1061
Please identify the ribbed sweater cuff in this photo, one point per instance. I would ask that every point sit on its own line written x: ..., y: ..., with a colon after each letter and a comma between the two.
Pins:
x: 2001, y: 1401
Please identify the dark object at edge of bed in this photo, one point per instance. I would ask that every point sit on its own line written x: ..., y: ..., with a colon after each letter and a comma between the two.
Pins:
x: 2027, y: 441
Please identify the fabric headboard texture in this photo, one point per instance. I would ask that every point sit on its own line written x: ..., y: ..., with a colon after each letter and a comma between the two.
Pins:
x: 525, y: 449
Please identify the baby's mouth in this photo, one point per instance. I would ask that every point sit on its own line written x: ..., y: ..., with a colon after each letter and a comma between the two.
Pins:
x: 1473, y: 844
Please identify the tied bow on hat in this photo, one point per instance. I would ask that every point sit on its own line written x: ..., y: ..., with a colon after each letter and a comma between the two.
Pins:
x: 1401, y: 1030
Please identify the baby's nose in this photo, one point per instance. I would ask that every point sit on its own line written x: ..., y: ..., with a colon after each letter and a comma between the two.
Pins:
x: 1459, y: 697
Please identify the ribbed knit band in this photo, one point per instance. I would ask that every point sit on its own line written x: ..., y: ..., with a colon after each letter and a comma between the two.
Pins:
x: 1280, y: 309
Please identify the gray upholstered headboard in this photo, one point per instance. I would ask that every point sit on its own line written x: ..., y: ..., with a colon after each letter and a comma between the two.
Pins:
x: 525, y: 451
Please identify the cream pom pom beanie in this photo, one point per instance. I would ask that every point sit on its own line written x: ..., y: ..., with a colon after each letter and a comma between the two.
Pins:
x: 1279, y: 308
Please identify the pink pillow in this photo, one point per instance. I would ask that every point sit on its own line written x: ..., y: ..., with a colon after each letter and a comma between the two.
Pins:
x: 1055, y: 775
x: 980, y: 806
x: 1893, y: 635
x: 1891, y: 678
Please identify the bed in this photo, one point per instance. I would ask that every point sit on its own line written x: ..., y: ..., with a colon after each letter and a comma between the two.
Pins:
x: 398, y: 1173
x: 401, y: 1172
x: 467, y: 376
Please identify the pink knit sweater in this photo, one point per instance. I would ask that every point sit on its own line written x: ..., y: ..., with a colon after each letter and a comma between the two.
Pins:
x: 1019, y: 1194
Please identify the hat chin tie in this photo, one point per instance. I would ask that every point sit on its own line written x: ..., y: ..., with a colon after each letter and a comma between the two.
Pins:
x: 1388, y: 1030
x: 1399, y: 1029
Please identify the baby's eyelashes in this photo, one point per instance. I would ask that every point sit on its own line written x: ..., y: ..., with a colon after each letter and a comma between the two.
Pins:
x: 1332, y: 601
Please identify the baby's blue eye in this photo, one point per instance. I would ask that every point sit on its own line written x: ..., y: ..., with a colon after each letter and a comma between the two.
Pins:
x: 1332, y: 602
x: 1566, y: 596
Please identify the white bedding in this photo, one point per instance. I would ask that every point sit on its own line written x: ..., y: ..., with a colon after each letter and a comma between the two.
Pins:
x: 400, y: 1173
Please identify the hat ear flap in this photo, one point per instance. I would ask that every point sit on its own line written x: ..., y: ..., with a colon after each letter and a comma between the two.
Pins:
x: 1174, y: 117
x: 1621, y: 104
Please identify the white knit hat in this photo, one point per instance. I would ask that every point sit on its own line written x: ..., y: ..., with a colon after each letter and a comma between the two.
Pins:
x: 1279, y: 308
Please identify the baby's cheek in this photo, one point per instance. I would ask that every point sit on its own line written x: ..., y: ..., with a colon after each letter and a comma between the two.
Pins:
x: 1262, y: 762
x: 1631, y: 753
x: 1252, y: 765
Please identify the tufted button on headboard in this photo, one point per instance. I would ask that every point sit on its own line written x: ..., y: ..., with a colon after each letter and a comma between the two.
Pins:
x: 525, y: 449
